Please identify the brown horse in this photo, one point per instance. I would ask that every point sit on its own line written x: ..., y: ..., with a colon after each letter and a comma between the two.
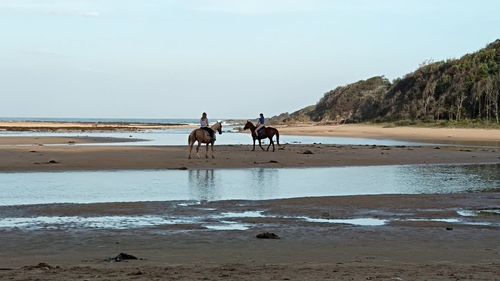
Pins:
x: 269, y: 133
x: 202, y: 136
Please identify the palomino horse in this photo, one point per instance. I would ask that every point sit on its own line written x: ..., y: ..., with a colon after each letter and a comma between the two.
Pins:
x: 269, y: 133
x: 202, y: 136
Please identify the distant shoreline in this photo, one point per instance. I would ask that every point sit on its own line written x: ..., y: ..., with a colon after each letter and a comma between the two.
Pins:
x: 464, y: 136
x: 46, y: 126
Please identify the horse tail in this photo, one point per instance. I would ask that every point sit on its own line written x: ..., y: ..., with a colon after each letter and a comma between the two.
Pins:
x: 278, y: 137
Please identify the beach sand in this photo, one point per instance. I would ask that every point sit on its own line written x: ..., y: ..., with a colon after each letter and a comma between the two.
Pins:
x: 399, y: 250
x: 435, y: 135
x: 73, y: 157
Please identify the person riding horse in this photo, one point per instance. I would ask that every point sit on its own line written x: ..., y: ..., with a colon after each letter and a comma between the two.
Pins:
x: 204, y: 134
x: 260, y: 124
x: 204, y: 124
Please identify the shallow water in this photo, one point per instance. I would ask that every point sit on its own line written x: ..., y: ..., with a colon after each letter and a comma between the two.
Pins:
x: 179, y: 137
x: 223, y: 221
x: 248, y: 184
x: 210, y: 221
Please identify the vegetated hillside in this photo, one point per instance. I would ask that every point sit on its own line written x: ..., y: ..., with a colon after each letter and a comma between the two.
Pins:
x: 457, y: 89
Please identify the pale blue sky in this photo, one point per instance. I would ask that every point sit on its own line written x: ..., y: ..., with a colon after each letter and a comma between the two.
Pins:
x: 231, y: 58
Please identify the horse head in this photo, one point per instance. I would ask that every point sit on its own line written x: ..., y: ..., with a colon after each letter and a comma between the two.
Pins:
x: 219, y: 129
x: 248, y: 125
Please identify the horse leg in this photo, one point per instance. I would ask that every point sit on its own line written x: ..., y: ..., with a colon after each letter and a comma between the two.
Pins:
x: 271, y: 142
x: 198, y: 150
x: 190, y: 146
x: 206, y: 152
x: 190, y: 149
x: 212, y: 146
x: 260, y: 144
x: 253, y: 144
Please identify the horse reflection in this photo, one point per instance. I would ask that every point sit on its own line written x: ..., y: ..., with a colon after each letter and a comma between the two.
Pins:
x: 265, y: 182
x: 202, y: 185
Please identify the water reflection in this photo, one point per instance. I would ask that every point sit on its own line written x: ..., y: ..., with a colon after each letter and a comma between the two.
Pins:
x: 447, y: 178
x: 266, y: 182
x: 246, y: 184
x: 202, y: 185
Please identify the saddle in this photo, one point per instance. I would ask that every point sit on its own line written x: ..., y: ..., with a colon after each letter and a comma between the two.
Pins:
x: 210, y: 132
x: 261, y: 132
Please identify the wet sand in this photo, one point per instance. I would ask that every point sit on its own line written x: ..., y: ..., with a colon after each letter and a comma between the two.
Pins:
x: 83, y: 127
x: 68, y: 157
x: 400, y: 250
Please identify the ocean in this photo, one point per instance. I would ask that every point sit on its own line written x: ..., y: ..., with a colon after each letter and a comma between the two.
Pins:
x: 155, y: 121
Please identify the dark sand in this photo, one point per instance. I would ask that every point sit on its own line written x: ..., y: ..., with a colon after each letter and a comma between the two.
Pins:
x: 400, y: 250
x: 36, y: 157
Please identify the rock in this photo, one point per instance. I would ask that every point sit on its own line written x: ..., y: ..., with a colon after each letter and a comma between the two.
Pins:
x: 267, y: 235
x: 437, y: 147
x: 308, y: 152
x: 273, y: 161
x: 53, y: 162
x: 449, y: 228
x: 124, y: 257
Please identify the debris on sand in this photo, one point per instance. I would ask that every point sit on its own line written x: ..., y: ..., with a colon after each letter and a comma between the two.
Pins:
x: 53, y: 162
x: 267, y: 235
x: 136, y: 273
x: 308, y: 152
x: 123, y: 257
x: 42, y: 265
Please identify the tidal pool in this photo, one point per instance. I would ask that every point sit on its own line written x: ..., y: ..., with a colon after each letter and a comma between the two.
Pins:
x: 248, y: 184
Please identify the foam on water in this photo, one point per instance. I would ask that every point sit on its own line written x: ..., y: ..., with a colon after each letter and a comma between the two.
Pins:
x: 356, y: 221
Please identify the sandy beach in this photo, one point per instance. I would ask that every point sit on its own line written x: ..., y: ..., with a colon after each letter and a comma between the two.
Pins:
x: 424, y: 236
x: 35, y: 153
x: 39, y: 157
x: 436, y: 135
x: 410, y: 246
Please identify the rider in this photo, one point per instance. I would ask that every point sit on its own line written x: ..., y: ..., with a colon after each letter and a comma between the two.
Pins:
x: 260, y: 124
x: 204, y: 125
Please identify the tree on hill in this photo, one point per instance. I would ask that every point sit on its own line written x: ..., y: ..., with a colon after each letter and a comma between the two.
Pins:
x: 455, y: 90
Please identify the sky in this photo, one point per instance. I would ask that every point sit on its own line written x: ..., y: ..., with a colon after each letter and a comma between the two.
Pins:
x: 230, y: 58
